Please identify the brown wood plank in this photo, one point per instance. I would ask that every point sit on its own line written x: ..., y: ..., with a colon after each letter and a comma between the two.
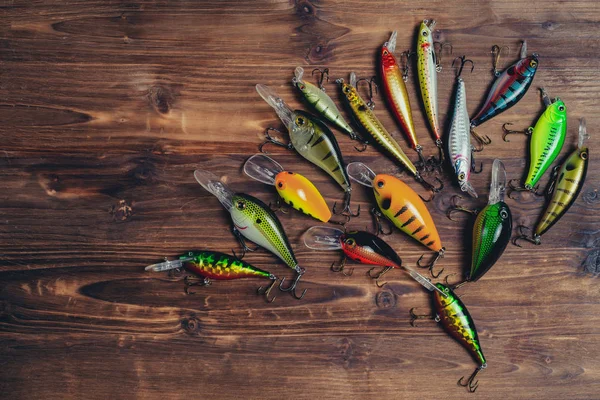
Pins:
x: 107, y: 107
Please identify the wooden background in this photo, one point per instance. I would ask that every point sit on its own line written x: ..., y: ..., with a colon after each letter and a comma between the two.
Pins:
x: 107, y: 107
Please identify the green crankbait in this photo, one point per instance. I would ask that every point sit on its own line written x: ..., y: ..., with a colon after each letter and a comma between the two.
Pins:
x: 254, y: 220
x: 547, y: 139
x: 215, y: 265
x: 565, y: 185
x: 312, y: 139
x: 492, y: 228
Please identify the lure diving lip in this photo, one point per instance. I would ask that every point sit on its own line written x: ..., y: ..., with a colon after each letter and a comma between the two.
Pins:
x: 253, y: 220
x: 402, y: 206
x: 293, y: 188
x: 215, y: 265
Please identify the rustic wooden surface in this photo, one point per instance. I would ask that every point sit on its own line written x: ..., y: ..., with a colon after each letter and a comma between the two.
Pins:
x: 106, y: 109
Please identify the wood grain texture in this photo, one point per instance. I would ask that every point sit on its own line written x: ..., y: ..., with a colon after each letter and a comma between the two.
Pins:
x: 107, y: 107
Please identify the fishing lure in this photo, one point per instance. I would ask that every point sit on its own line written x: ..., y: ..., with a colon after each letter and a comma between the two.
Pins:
x: 428, y: 66
x: 565, y: 184
x: 547, y: 139
x: 394, y: 88
x: 360, y: 246
x: 215, y: 265
x: 371, y: 124
x: 509, y: 87
x: 294, y: 189
x: 321, y: 102
x: 492, y: 228
x: 254, y: 220
x: 459, y: 145
x: 403, y: 207
x: 312, y: 139
x: 456, y: 320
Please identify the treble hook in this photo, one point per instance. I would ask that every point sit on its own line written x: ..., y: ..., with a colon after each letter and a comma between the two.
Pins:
x: 438, y: 59
x: 437, y: 163
x: 370, y: 82
x: 195, y: 282
x: 463, y: 61
x: 414, y: 317
x: 346, y: 206
x: 535, y: 239
x: 267, y: 290
x: 455, y: 208
x: 270, y: 139
x: 532, y: 190
x: 429, y: 186
x: 422, y: 164
x: 496, y: 51
x: 482, y: 140
x: 431, y: 264
x: 507, y: 132
x: 378, y: 275
x: 340, y: 268
x: 378, y: 225
x: 472, y: 386
x: 324, y: 75
x: 455, y: 286
x: 279, y: 207
x: 292, y: 287
x: 242, y: 243
x: 406, y: 55
x: 473, y: 163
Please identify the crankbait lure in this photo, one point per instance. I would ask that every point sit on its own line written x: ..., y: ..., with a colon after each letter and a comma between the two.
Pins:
x: 565, y: 184
x: 403, y: 207
x: 547, y: 139
x: 427, y: 67
x: 312, y: 139
x: 394, y: 88
x: 360, y: 246
x: 456, y: 320
x: 371, y: 124
x: 254, y: 220
x: 459, y: 145
x: 215, y: 265
x: 294, y: 189
x: 321, y: 102
x: 509, y: 87
x: 492, y: 228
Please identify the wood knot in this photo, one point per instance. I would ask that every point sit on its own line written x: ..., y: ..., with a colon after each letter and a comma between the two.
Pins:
x: 549, y: 25
x: 121, y: 211
x: 591, y: 196
x: 191, y: 325
x: 145, y: 170
x: 305, y: 8
x: 161, y: 99
x: 592, y: 262
x: 385, y: 299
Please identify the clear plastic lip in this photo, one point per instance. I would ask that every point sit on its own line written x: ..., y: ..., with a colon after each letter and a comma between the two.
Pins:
x: 262, y: 168
x: 360, y: 173
x: 213, y: 185
x: 285, y: 113
x: 391, y: 43
x: 323, y: 238
x: 498, y: 185
x: 583, y: 135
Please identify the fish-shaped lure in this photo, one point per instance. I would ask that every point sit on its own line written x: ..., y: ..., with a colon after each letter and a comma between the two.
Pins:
x: 293, y: 188
x: 215, y: 265
x: 312, y: 139
x: 565, y: 185
x: 402, y: 206
x: 253, y: 220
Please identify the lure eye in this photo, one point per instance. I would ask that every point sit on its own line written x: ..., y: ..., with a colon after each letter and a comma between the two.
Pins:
x: 240, y: 205
x: 583, y: 155
x: 504, y: 214
x: 424, y: 33
x: 561, y: 108
x: 300, y: 121
x: 461, y: 176
x: 532, y: 63
x: 385, y: 53
x: 350, y: 242
x: 380, y: 184
x: 302, y: 87
x: 280, y: 185
x: 347, y: 89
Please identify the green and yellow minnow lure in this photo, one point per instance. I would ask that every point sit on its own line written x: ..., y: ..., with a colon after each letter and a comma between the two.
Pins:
x: 565, y: 185
x: 321, y: 102
x: 371, y: 124
x: 254, y: 220
x: 547, y: 139
x: 215, y: 265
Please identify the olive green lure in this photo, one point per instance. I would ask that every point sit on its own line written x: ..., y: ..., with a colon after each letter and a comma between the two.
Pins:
x: 215, y: 265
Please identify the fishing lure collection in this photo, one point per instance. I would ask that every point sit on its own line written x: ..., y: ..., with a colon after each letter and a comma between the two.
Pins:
x: 396, y: 202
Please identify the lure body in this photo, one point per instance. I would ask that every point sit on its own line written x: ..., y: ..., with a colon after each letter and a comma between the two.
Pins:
x: 459, y: 145
x: 220, y: 266
x: 395, y: 91
x: 427, y: 72
x: 457, y: 321
x: 294, y: 189
x: 547, y: 139
x: 403, y: 206
x: 508, y: 89
x: 371, y: 124
x: 567, y: 185
x: 321, y: 102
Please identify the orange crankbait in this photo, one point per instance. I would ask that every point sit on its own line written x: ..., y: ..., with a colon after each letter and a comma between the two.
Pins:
x: 402, y: 206
x: 294, y: 189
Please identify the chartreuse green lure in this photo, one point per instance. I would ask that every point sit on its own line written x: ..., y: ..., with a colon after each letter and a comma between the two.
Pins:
x: 492, y: 228
x: 253, y: 220
x: 215, y: 265
x: 547, y: 139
